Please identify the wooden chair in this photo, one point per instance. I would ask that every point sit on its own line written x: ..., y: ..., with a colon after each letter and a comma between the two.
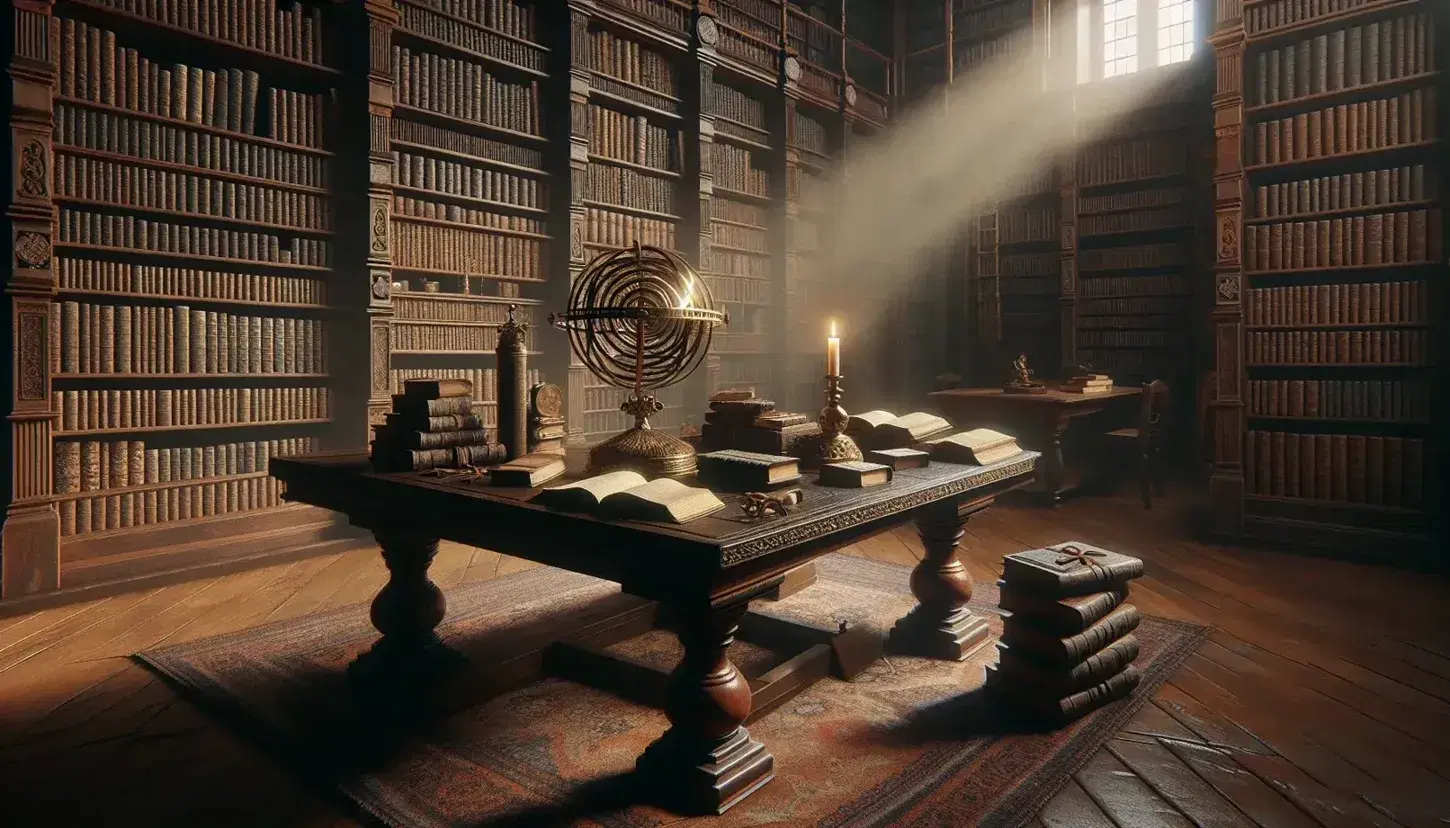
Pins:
x: 1147, y: 439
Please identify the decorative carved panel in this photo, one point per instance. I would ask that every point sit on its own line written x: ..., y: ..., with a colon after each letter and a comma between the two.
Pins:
x: 380, y: 244
x: 32, y: 250
x: 34, y: 178
x: 1228, y: 237
x: 30, y: 352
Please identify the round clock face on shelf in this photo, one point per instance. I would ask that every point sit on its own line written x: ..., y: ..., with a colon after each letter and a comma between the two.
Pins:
x: 792, y: 68
x: 705, y: 28
x: 548, y: 400
x: 850, y: 95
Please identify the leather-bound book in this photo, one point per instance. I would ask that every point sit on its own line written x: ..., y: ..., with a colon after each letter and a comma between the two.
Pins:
x: 1069, y: 569
x: 1056, y: 652
x: 731, y: 470
x: 1032, y: 678
x: 1060, y: 711
x: 1065, y: 616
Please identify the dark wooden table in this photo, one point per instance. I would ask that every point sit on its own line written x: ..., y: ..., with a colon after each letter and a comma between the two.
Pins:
x: 702, y: 574
x: 1045, y: 423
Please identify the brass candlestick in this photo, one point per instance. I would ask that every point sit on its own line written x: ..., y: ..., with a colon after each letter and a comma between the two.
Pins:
x: 835, y: 446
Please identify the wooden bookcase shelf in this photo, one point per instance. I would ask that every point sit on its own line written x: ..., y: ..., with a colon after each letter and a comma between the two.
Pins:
x: 1342, y: 122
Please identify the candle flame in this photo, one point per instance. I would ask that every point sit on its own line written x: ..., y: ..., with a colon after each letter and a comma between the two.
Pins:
x: 833, y: 328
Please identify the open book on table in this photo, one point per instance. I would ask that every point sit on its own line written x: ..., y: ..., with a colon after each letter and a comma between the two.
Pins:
x: 626, y: 494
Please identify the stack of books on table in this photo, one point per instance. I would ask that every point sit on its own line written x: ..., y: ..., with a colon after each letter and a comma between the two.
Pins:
x: 1089, y: 384
x: 740, y: 420
x: 1066, y: 647
x: 433, y: 426
x: 547, y: 428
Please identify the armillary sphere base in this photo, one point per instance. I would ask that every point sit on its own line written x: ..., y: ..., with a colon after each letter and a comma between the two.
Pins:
x: 644, y: 450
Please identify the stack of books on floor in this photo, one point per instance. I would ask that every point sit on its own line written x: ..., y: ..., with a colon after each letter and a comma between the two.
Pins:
x: 740, y: 420
x: 1066, y: 646
x: 1089, y: 384
x: 433, y: 426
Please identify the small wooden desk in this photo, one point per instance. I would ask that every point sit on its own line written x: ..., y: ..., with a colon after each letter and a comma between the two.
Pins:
x: 703, y: 574
x: 1039, y: 422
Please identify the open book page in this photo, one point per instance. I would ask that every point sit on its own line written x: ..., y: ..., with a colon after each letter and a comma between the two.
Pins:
x: 979, y: 439
x: 588, y: 493
x: 663, y: 499
x: 869, y: 420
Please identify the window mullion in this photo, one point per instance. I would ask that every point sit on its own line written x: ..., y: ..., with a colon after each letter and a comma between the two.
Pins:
x: 1147, y: 34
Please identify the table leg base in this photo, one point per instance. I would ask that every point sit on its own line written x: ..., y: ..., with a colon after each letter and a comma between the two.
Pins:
x: 419, y: 664
x: 697, y: 778
x: 953, y: 638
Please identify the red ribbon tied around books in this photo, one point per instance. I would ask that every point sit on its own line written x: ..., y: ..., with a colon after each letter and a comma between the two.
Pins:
x: 1072, y: 553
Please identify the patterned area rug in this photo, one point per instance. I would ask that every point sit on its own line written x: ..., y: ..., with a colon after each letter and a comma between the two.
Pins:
x: 909, y: 742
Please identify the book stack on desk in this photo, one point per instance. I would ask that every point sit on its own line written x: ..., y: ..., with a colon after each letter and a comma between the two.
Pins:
x: 432, y: 425
x: 1067, y: 646
x: 740, y: 420
x: 1089, y: 384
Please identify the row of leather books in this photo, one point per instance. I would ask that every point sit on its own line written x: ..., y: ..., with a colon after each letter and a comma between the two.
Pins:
x: 433, y: 425
x: 427, y: 136
x: 1131, y: 200
x: 294, y: 32
x: 144, y: 188
x: 1408, y: 118
x: 633, y: 139
x: 1265, y: 17
x: 1402, y: 400
x: 631, y: 62
x: 1112, y: 286
x: 630, y: 188
x: 1379, y: 51
x: 734, y: 168
x: 1343, y: 468
x: 140, y: 235
x: 105, y: 485
x: 1137, y: 256
x: 1131, y: 160
x: 122, y: 339
x: 1067, y: 646
x: 147, y: 139
x: 610, y: 229
x: 100, y: 276
x: 1405, y: 237
x: 475, y: 181
x: 465, y: 90
x: 733, y: 104
x: 407, y: 207
x: 513, y: 20
x: 90, y: 409
x: 467, y: 251
x: 1371, y: 303
x: 1346, y: 191
x: 1394, y: 347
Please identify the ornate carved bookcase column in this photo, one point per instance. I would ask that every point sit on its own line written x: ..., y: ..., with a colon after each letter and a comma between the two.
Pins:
x: 696, y: 180
x: 365, y: 195
x: 796, y: 356
x: 30, y: 546
x: 564, y: 29
x: 1059, y: 48
x: 1226, y: 483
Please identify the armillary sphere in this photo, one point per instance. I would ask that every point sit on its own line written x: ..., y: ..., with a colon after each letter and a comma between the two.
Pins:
x: 640, y: 318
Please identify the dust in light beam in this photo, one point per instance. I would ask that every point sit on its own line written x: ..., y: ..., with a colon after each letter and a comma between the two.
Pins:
x: 914, y: 190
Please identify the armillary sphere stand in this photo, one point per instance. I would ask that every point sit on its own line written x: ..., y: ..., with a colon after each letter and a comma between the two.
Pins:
x: 641, y: 319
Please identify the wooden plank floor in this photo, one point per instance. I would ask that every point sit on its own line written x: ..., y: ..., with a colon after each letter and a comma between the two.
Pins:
x: 1322, y: 698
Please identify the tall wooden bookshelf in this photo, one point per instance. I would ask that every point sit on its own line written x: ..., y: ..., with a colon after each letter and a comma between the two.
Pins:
x: 177, y: 169
x: 1141, y: 223
x: 470, y: 193
x: 1331, y: 265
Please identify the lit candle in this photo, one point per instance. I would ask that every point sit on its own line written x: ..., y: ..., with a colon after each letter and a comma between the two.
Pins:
x: 833, y: 352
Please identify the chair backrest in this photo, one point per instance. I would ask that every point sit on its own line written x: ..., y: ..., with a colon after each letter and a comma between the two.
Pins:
x: 1153, y: 415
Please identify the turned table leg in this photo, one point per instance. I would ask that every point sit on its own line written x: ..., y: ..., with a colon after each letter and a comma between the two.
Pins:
x: 407, y: 612
x: 706, y: 762
x: 940, y: 626
x: 1054, y: 467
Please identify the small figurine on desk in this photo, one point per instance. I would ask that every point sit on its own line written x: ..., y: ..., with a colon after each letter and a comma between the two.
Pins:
x: 1022, y: 381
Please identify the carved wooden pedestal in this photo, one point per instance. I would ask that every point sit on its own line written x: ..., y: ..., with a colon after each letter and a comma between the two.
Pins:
x: 407, y: 611
x: 707, y: 762
x: 940, y: 626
